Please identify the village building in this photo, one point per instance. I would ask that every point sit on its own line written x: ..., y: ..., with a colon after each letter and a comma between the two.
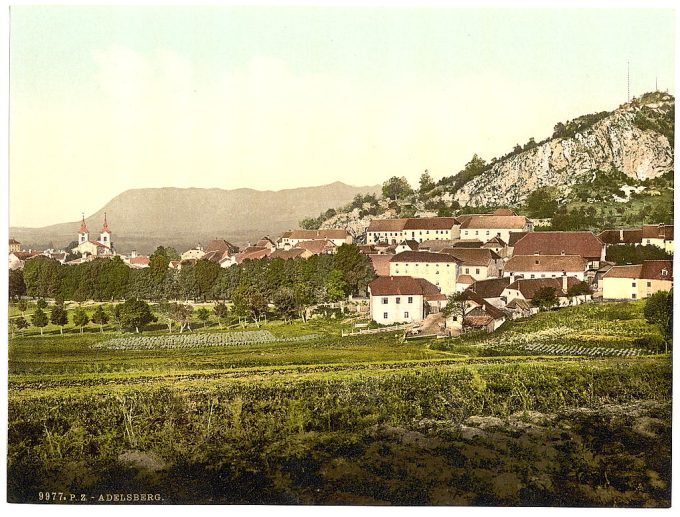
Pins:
x: 318, y: 247
x: 617, y: 237
x: 546, y: 266
x: 497, y: 245
x: 17, y: 259
x: 438, y: 268
x: 402, y: 299
x: 253, y: 253
x: 491, y: 290
x: 659, y: 235
x: 582, y: 243
x: 195, y: 253
x: 501, y: 223
x: 14, y: 245
x: 99, y: 248
x: 291, y: 253
x: 221, y: 252
x: 463, y: 282
x: 479, y: 263
x: 525, y: 288
x: 420, y: 229
x: 638, y: 281
x: 407, y: 245
x: 292, y: 238
x: 381, y: 264
x: 480, y: 314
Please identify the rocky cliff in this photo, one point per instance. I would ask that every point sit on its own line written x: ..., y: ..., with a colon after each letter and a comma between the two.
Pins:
x: 618, y: 141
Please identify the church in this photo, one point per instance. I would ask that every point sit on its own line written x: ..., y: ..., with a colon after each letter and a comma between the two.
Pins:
x: 101, y: 248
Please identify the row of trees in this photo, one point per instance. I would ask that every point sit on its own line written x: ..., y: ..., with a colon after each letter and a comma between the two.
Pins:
x: 252, y: 284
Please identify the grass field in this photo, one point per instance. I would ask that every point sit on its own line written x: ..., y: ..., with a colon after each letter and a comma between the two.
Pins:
x: 363, y: 419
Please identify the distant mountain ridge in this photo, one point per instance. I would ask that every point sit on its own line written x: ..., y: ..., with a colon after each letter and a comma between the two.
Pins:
x: 143, y: 219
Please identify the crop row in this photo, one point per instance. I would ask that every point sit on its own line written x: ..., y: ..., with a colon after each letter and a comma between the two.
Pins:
x: 195, y: 340
x: 597, y: 351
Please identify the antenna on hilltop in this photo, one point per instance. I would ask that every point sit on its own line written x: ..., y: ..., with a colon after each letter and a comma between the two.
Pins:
x: 628, y: 62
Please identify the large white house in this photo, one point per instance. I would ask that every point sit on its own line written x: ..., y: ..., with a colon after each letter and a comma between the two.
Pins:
x: 501, y: 223
x: 479, y: 263
x: 419, y: 229
x: 438, y: 268
x: 660, y: 235
x: 582, y: 243
x: 292, y: 238
x: 637, y: 281
x: 402, y: 299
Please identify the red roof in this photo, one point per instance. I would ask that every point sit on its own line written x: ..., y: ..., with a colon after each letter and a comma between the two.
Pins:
x: 495, y: 222
x: 621, y: 236
x: 381, y: 264
x: 648, y: 270
x: 386, y: 225
x: 585, y: 244
x: 430, y: 223
x: 472, y: 256
x: 423, y: 256
x: 318, y: 234
x: 403, y: 285
x: 657, y: 231
x: 568, y: 263
x: 139, y: 260
x: 529, y: 286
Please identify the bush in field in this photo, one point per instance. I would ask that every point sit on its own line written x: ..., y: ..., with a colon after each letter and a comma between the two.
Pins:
x: 59, y: 316
x: 19, y: 324
x: 99, y: 317
x: 80, y: 319
x: 221, y: 312
x: 41, y: 304
x: 39, y: 319
x: 659, y: 311
x: 135, y: 314
x: 203, y: 315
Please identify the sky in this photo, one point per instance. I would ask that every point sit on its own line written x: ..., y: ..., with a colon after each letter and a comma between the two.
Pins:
x: 106, y: 99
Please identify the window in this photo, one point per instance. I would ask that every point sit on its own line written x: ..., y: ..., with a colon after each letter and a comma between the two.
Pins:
x: 649, y: 284
x: 410, y: 299
x: 487, y: 232
x: 467, y: 270
x: 384, y: 300
x: 398, y: 300
x: 634, y: 284
x: 634, y: 296
x: 406, y: 315
x: 477, y: 271
x: 384, y: 315
x: 476, y: 232
x: 532, y: 276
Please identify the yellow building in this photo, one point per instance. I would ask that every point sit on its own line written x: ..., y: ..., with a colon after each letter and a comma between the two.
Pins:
x: 637, y: 281
x: 659, y: 235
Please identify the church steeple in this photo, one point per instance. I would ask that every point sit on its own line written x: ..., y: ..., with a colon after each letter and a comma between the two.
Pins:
x: 105, y: 235
x: 84, y: 233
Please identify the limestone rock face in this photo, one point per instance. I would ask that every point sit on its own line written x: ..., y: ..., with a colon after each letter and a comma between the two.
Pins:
x: 614, y: 142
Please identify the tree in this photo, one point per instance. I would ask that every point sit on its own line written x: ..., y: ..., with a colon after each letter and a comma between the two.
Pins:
x: 659, y: 311
x: 41, y: 304
x: 455, y: 307
x: 203, y: 314
x: 158, y: 266
x: 580, y: 289
x: 356, y: 268
x: 59, y: 316
x: 396, y: 188
x: 19, y: 324
x: 22, y: 305
x: 99, y: 317
x: 541, y: 203
x: 310, y: 223
x: 426, y: 183
x: 335, y: 286
x: 304, y: 297
x: 182, y: 315
x: 249, y: 302
x: 80, y: 318
x: 206, y: 273
x: 545, y: 298
x: 284, y: 300
x: 135, y: 314
x: 221, y: 311
x: 39, y: 319
x: 17, y: 287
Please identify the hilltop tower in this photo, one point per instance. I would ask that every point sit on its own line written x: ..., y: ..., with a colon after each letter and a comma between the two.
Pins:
x: 105, y: 235
x: 84, y: 233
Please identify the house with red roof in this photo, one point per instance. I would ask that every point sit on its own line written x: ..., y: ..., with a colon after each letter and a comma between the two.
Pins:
x: 637, y: 281
x: 582, y: 243
x: 546, y: 266
x: 292, y: 238
x: 419, y: 229
x: 14, y: 245
x: 438, y: 268
x: 403, y: 299
x: 502, y: 223
x: 660, y: 235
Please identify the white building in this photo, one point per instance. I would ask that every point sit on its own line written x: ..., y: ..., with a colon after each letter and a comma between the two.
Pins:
x: 402, y: 299
x: 438, y: 268
x: 101, y: 247
x: 546, y: 266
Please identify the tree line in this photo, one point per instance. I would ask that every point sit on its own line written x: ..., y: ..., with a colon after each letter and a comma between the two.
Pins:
x: 321, y: 278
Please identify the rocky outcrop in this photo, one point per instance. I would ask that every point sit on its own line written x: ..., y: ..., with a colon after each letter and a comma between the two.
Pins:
x: 614, y: 142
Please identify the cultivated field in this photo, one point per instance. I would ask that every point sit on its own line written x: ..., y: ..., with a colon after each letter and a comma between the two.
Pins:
x: 293, y: 413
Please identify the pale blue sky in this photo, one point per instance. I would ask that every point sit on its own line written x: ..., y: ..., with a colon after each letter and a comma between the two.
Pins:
x: 274, y: 98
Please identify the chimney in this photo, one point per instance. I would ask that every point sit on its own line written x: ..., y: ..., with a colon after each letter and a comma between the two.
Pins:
x: 133, y: 253
x: 562, y: 252
x: 621, y: 235
x: 564, y: 281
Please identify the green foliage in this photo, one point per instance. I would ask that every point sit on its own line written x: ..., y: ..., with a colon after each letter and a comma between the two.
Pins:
x: 455, y: 306
x: 355, y: 267
x: 396, y: 188
x: 17, y: 287
x: 39, y: 319
x: 19, y: 323
x: 135, y: 314
x: 662, y: 122
x: 100, y: 317
x: 473, y: 168
x: 22, y: 305
x: 41, y: 304
x: 59, y: 316
x: 335, y: 286
x: 580, y: 289
x: 545, y: 298
x: 80, y: 318
x: 206, y: 273
x: 622, y: 254
x: 221, y: 312
x: 578, y: 125
x: 203, y: 315
x: 659, y: 311
x: 426, y: 183
x: 310, y: 223
x: 542, y: 203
